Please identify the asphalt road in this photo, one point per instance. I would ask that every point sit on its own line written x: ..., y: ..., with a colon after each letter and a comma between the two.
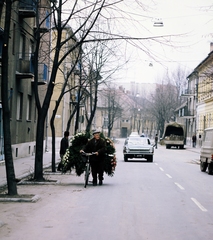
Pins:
x: 167, y: 199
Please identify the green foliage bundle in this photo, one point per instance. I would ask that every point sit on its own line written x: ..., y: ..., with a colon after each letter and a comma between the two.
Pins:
x: 73, y: 160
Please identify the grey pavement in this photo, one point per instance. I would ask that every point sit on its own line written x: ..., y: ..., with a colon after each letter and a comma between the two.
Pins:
x: 196, y: 150
x: 25, y: 166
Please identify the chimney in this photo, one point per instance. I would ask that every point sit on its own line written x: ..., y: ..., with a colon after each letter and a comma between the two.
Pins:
x: 211, y: 46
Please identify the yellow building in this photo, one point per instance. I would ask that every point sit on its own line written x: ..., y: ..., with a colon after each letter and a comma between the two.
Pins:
x: 69, y: 73
x: 205, y: 94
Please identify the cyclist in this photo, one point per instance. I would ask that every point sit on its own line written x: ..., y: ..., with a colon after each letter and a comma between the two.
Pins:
x: 98, y: 146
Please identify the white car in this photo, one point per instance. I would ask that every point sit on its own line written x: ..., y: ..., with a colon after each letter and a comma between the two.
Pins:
x: 138, y: 147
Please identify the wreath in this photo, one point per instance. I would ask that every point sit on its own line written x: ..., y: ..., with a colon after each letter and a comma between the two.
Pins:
x: 72, y: 158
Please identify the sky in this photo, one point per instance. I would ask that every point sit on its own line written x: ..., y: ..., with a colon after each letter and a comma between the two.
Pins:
x: 188, y: 22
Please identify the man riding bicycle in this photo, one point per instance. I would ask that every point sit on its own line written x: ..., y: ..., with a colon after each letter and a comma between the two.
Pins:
x: 98, y: 146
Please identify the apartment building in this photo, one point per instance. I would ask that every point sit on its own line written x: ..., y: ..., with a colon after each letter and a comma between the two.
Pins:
x: 197, y: 112
x: 66, y: 81
x: 21, y: 79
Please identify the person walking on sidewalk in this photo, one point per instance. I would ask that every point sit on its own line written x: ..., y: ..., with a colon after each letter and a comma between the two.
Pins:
x: 64, y: 144
x: 194, y: 140
x: 156, y: 141
x: 98, y: 146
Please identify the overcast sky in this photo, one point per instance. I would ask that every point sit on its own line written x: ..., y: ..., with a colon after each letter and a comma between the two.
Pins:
x: 191, y: 21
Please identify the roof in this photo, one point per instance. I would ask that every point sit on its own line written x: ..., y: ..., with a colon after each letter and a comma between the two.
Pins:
x: 210, y: 55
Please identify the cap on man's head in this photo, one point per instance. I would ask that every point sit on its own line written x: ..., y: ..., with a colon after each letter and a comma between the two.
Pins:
x: 96, y: 131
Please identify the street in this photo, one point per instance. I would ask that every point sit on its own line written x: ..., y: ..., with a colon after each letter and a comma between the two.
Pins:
x: 167, y: 199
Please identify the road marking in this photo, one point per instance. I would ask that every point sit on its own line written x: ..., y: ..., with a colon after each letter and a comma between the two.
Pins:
x: 168, y: 176
x: 182, y: 188
x: 199, y: 205
x: 161, y: 169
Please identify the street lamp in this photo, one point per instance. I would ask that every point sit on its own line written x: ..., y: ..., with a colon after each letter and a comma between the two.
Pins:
x: 135, y: 109
x: 158, y: 22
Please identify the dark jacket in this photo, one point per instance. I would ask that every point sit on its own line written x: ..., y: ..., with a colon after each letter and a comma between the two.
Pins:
x: 99, y: 147
x: 64, y: 145
x: 194, y: 138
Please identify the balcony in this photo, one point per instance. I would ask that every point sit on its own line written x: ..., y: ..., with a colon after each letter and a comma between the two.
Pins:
x: 42, y: 74
x: 187, y: 93
x: 186, y: 113
x: 27, y: 8
x: 25, y: 67
x: 1, y: 42
x: 44, y: 26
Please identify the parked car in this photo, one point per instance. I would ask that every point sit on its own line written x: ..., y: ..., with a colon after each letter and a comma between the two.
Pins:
x: 138, y: 147
x: 206, y: 152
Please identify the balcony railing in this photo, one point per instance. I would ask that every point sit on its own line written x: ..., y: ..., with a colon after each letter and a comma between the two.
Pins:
x: 188, y: 92
x: 25, y: 66
x: 42, y: 73
x: 1, y: 41
x: 184, y: 112
x: 188, y: 112
x: 27, y: 8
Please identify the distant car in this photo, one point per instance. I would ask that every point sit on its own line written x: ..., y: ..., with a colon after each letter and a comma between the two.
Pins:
x: 138, y: 147
x: 134, y: 134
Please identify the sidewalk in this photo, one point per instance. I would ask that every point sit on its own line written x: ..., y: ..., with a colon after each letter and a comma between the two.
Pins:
x: 196, y: 150
x: 25, y: 166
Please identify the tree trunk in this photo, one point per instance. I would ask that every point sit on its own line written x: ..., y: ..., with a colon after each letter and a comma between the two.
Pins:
x: 53, y: 140
x: 70, y: 119
x: 11, y: 181
x: 38, y: 175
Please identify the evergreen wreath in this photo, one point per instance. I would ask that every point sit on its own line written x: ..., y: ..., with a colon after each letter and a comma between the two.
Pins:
x: 72, y: 159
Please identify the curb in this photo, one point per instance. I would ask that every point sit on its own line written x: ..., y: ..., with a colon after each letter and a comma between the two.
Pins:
x: 19, y: 199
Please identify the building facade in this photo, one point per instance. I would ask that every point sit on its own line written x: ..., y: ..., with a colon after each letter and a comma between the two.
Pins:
x: 21, y: 71
x: 197, y: 111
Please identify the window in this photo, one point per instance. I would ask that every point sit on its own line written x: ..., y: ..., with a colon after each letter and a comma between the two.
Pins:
x: 105, y: 123
x: 1, y: 44
x: 22, y: 46
x: 29, y: 107
x: 14, y: 38
x: 11, y: 102
x: 19, y: 106
x: 47, y: 20
x: 35, y: 113
x: 45, y: 72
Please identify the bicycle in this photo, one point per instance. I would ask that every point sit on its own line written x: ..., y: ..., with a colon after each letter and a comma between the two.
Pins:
x: 87, y: 167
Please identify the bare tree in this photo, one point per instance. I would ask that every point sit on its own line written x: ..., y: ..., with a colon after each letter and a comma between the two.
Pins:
x: 163, y: 104
x: 59, y: 25
x: 179, y: 78
x: 110, y: 102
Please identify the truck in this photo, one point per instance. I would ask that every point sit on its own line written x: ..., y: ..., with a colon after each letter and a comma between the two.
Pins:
x: 206, y: 152
x: 174, y: 135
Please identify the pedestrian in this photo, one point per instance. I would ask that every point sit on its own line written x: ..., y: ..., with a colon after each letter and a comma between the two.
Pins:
x: 156, y: 141
x: 194, y: 139
x: 64, y: 144
x: 96, y: 145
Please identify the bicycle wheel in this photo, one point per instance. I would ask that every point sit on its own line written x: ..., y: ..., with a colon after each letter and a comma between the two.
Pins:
x: 87, y: 172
